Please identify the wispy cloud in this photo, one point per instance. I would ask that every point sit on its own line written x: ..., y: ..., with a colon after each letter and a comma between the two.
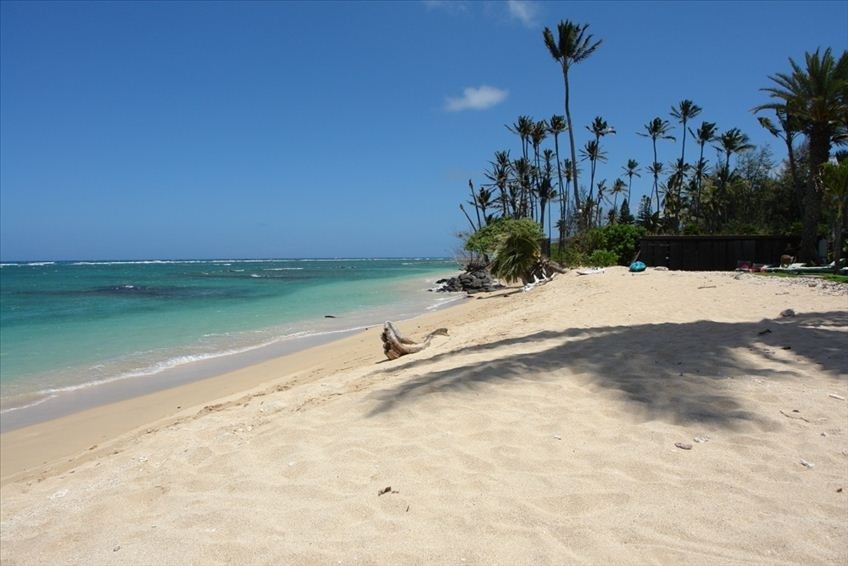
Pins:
x: 523, y: 11
x: 476, y: 98
x: 452, y: 6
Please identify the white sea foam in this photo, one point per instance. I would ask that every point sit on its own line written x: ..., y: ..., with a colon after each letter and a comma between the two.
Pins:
x: 172, y: 363
x: 283, y: 269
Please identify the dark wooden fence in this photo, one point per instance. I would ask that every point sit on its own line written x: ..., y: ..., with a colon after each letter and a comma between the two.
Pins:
x: 714, y: 253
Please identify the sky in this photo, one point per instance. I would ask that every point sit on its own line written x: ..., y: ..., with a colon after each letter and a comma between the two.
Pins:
x: 176, y: 130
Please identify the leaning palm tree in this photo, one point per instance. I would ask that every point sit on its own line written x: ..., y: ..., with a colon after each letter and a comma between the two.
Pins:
x: 705, y: 134
x: 817, y: 97
x: 657, y: 129
x: 631, y: 169
x: 515, y: 256
x: 571, y: 46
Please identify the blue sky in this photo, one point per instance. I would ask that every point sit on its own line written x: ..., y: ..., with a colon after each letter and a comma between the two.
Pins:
x: 195, y: 130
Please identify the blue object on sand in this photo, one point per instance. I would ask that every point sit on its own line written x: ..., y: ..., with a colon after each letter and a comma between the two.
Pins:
x: 637, y: 267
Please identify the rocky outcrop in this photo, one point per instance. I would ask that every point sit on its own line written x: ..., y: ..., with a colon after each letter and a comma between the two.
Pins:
x: 476, y: 281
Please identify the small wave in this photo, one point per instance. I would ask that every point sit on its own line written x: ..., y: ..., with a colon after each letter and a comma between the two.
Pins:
x: 28, y: 405
x: 39, y: 263
x: 255, y: 276
x: 283, y: 269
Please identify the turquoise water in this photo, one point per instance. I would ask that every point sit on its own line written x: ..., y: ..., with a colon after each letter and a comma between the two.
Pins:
x: 68, y: 326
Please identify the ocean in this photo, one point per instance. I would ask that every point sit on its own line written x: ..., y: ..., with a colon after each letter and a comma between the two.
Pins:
x: 69, y: 328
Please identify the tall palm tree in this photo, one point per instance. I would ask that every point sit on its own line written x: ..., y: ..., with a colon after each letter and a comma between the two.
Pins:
x: 618, y: 187
x: 788, y: 131
x: 571, y: 46
x: 499, y: 174
x: 546, y: 187
x: 683, y: 112
x: 705, y: 134
x: 593, y: 152
x: 731, y: 142
x: 817, y: 97
x: 657, y: 129
x: 556, y: 126
x: 537, y: 136
x: 602, y: 188
x: 523, y: 127
x: 523, y: 170
x: 631, y: 169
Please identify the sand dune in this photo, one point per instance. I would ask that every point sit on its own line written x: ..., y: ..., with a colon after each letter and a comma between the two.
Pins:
x: 541, y: 431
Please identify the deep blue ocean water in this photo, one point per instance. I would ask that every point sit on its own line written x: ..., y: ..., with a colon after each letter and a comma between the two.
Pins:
x: 68, y: 326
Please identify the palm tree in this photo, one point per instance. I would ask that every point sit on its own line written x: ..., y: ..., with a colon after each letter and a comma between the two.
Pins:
x: 546, y: 188
x: 730, y: 142
x: 602, y: 187
x: 657, y: 129
x: 515, y: 256
x: 556, y: 126
x: 835, y: 179
x: 499, y: 177
x: 483, y: 199
x: 592, y: 151
x: 523, y: 173
x: 524, y: 128
x: 571, y: 46
x: 631, y: 169
x: 817, y: 97
x: 537, y: 136
x: 787, y: 132
x: 618, y: 187
x: 705, y: 134
x: 684, y: 111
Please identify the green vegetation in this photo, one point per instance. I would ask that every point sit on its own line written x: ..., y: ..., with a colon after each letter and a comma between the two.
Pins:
x: 744, y: 191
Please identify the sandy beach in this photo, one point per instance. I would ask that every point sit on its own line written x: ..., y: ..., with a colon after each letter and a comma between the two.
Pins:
x: 654, y: 418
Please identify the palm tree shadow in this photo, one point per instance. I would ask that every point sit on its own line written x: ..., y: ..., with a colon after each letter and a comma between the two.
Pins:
x: 678, y: 372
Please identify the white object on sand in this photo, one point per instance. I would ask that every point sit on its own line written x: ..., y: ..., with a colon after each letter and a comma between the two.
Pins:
x: 591, y: 271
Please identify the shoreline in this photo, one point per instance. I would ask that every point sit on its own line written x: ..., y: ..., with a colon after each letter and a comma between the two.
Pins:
x: 61, y: 400
x: 660, y: 417
x: 34, y: 446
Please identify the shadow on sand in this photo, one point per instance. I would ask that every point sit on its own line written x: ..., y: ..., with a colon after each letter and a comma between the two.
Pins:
x: 676, y: 372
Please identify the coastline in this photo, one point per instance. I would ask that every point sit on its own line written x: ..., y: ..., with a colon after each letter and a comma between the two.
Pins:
x: 88, y: 429
x: 547, y: 427
x: 113, y: 379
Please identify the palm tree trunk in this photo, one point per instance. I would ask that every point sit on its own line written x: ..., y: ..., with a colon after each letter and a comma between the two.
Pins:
x: 819, y: 153
x: 571, y: 141
x: 656, y: 175
x: 562, y: 195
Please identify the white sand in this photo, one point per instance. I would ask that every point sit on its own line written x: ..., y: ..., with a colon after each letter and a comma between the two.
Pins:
x: 541, y: 431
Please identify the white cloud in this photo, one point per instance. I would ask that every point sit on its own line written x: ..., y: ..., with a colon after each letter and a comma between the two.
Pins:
x: 476, y: 98
x: 523, y: 11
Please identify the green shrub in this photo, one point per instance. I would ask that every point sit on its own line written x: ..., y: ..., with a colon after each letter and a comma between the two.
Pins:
x: 602, y: 258
x: 622, y: 240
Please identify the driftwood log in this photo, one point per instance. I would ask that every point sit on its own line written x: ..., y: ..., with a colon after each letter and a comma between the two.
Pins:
x: 396, y: 345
